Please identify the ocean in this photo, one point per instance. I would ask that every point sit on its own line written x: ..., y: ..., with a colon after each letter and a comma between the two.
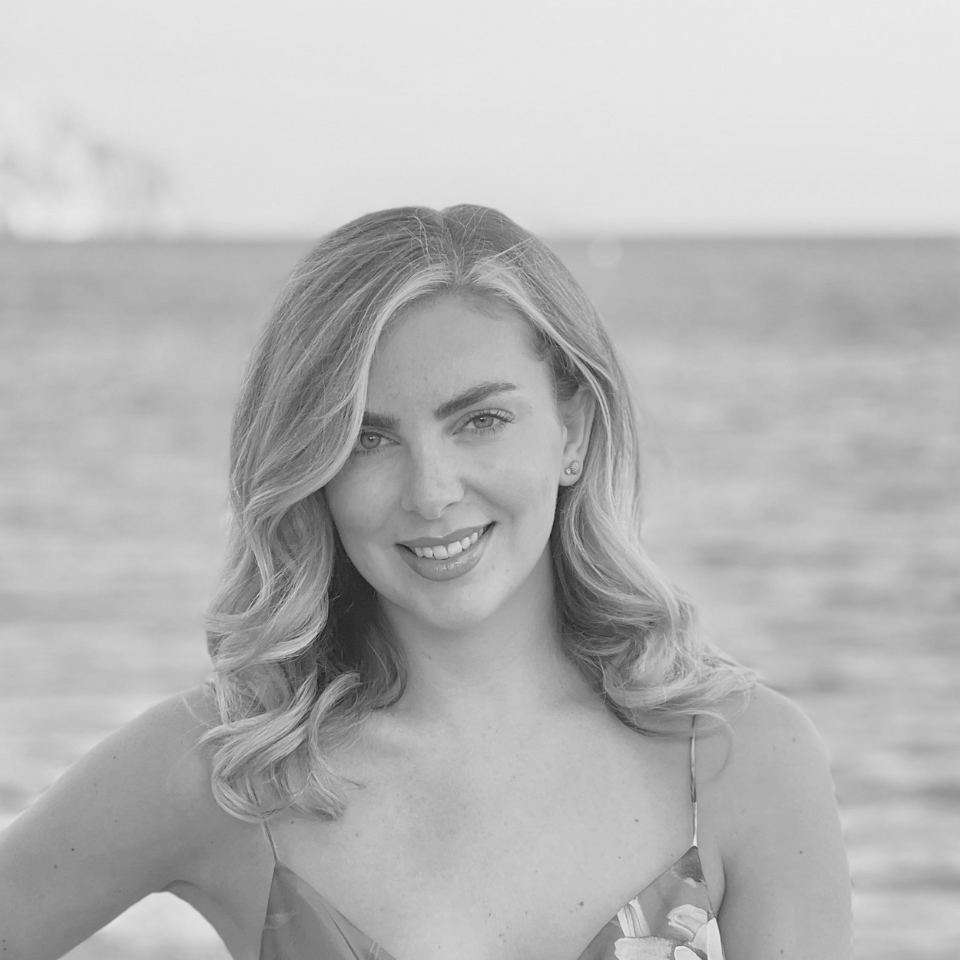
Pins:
x: 801, y: 407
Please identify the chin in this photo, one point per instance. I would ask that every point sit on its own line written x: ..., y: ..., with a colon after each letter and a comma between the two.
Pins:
x: 443, y: 617
x: 467, y: 603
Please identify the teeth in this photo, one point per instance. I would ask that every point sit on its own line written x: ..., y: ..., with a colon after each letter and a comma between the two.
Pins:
x: 447, y: 550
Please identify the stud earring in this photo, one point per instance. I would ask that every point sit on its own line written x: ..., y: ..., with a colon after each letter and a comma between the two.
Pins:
x: 573, y: 469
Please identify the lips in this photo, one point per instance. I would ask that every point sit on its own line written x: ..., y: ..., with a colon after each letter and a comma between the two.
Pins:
x: 448, y: 559
x: 439, y: 541
x: 445, y: 547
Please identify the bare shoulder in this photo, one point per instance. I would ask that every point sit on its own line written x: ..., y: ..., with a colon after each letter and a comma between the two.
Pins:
x: 131, y: 817
x: 163, y: 745
x: 769, y: 758
x: 770, y: 732
x: 157, y: 761
x: 161, y: 757
x: 768, y: 716
x: 755, y: 725
x: 768, y: 801
x: 151, y: 777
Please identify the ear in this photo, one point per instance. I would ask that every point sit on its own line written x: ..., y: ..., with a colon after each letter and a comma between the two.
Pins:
x: 576, y: 415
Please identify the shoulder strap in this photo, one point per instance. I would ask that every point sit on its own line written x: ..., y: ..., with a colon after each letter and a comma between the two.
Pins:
x: 273, y: 843
x: 693, y: 774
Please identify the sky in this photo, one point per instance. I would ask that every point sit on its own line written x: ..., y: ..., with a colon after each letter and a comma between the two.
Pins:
x: 600, y: 116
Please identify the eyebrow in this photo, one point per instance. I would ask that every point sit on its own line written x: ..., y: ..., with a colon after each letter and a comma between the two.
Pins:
x: 468, y: 398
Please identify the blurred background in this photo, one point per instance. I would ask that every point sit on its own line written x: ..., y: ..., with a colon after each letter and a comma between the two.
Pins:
x: 761, y: 198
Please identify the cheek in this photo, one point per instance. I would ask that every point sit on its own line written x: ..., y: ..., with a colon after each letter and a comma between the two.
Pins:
x: 354, y: 505
x: 525, y: 484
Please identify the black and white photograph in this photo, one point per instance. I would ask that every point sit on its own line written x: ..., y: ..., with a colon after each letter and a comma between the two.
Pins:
x: 480, y: 481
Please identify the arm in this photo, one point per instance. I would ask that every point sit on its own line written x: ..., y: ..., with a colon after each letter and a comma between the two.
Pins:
x: 787, y: 881
x: 129, y: 818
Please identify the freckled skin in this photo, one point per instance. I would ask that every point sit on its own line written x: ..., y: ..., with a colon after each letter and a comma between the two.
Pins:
x: 430, y: 477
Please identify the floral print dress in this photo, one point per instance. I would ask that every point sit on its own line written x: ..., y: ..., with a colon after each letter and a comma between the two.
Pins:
x: 670, y: 919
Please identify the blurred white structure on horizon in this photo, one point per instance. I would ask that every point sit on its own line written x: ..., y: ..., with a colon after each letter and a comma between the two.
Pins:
x: 735, y: 117
x: 60, y: 180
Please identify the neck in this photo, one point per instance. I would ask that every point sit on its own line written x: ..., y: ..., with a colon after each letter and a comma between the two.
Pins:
x: 507, y: 671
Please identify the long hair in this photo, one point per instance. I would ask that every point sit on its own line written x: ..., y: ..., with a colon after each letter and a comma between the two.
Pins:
x: 299, y: 649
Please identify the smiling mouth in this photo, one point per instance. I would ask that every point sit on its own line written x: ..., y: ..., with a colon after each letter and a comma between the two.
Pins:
x: 447, y: 551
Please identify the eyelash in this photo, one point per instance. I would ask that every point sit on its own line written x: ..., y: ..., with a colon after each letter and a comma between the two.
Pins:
x: 501, y: 416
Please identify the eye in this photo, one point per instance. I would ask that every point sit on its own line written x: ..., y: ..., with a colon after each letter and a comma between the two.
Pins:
x: 489, y: 421
x: 368, y: 442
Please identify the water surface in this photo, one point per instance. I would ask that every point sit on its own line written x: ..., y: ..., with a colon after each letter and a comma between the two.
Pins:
x: 802, y: 409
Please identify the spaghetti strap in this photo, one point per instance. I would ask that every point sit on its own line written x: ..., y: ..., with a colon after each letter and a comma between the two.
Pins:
x: 693, y: 775
x: 273, y: 843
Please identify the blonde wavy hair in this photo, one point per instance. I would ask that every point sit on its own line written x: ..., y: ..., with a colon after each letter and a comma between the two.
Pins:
x: 300, y: 652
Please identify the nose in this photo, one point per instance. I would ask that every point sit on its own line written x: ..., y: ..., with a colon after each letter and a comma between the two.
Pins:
x: 432, y: 481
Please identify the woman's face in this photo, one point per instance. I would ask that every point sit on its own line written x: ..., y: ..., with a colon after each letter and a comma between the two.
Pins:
x: 447, y: 502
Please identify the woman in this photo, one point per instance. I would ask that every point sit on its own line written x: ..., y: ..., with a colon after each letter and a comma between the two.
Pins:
x: 453, y: 701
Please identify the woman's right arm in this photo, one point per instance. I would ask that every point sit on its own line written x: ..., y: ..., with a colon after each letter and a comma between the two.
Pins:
x: 128, y: 819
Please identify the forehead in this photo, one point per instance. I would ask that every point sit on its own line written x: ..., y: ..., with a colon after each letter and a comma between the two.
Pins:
x: 446, y: 345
